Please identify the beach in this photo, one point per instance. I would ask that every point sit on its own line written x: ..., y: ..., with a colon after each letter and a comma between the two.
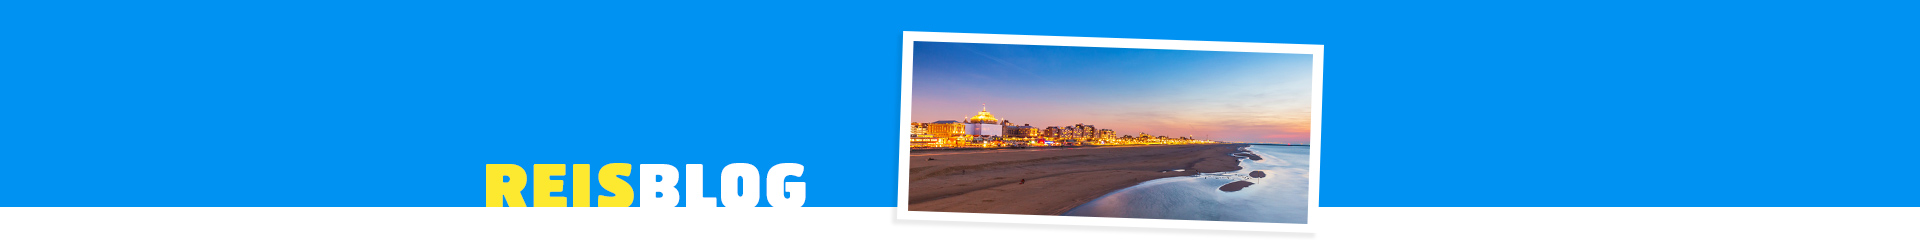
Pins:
x: 1046, y: 181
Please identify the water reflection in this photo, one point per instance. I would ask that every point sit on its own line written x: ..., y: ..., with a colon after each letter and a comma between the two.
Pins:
x: 1278, y: 192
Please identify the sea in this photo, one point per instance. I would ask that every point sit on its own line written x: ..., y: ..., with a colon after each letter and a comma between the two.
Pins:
x: 1280, y: 197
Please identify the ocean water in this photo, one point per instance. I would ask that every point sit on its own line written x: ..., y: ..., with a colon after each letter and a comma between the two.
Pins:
x: 1280, y: 197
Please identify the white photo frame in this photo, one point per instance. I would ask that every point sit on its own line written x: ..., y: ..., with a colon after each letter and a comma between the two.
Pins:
x: 906, y: 104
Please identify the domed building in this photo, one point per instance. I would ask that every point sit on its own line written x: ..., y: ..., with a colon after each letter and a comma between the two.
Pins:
x: 983, y: 123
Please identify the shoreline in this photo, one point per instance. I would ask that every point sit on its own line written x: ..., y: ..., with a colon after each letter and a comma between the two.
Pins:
x: 1051, y: 182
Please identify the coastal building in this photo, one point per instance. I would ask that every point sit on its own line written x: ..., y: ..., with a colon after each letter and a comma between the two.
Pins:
x: 1080, y: 132
x: 984, y: 130
x: 983, y: 124
x: 917, y: 130
x: 1088, y: 131
x: 1023, y: 132
x: 946, y: 129
x: 927, y: 142
x: 1051, y: 132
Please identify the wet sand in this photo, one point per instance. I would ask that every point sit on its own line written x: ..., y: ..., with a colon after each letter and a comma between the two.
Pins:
x: 1054, y: 180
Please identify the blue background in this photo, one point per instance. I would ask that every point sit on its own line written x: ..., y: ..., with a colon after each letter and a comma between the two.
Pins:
x: 330, y: 103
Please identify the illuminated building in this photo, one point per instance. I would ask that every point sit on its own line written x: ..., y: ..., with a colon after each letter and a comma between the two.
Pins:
x: 983, y: 123
x: 1077, y: 131
x: 917, y: 130
x: 983, y: 130
x: 927, y: 142
x: 1082, y: 131
x: 946, y: 129
x: 1020, y: 132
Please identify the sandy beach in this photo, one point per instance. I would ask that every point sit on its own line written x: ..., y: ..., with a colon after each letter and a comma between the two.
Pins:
x: 1055, y: 180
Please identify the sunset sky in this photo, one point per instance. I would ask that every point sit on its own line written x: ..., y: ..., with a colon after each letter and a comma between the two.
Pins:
x: 1227, y: 96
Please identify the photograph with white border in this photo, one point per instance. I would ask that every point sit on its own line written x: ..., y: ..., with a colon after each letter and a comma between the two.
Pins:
x: 1109, y: 132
